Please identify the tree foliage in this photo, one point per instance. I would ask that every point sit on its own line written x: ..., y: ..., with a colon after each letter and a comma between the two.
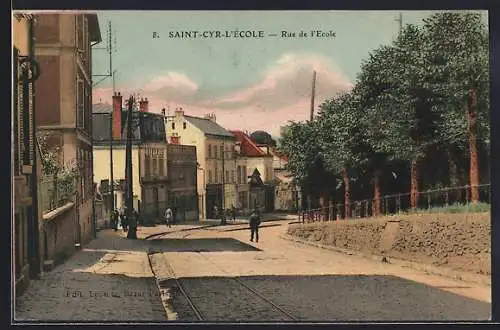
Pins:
x: 409, y: 100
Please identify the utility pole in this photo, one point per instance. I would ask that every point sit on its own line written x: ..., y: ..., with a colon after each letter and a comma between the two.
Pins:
x: 111, y: 138
x: 400, y: 21
x: 131, y: 221
x: 313, y: 92
x: 223, y: 215
x: 110, y: 50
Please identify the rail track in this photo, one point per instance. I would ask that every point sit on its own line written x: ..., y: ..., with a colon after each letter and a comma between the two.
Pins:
x: 274, y: 311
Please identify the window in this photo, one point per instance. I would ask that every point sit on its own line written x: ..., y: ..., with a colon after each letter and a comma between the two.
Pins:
x: 147, y: 165
x: 161, y: 167
x: 232, y: 177
x: 221, y: 176
x: 155, y: 166
x: 245, y: 176
x: 80, y: 99
x: 79, y: 32
x: 209, y: 151
x: 209, y: 176
x: 215, y: 152
x: 184, y: 125
x: 227, y: 176
x: 222, y: 152
x: 173, y: 125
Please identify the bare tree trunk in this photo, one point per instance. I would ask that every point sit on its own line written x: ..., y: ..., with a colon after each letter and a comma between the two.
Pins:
x: 347, y: 194
x: 474, y: 157
x: 414, y: 184
x: 454, y: 175
x: 376, y: 193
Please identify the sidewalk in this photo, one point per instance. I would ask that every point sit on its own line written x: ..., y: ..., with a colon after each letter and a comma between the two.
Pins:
x: 108, y: 280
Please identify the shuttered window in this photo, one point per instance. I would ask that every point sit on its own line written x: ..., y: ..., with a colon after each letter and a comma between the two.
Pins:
x: 80, y: 106
x: 17, y: 149
x: 79, y: 32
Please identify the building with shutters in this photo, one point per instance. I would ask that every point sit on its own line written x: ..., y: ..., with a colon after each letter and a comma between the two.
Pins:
x: 26, y: 221
x: 64, y: 97
x: 215, y: 154
x: 163, y: 175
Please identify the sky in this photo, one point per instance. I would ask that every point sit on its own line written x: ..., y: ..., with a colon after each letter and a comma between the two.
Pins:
x: 255, y: 83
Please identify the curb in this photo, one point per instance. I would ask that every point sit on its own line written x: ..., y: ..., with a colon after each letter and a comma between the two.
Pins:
x: 432, y: 270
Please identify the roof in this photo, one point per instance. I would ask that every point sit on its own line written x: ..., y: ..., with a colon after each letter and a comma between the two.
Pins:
x: 208, y: 127
x: 247, y: 147
x: 148, y: 127
x: 102, y: 107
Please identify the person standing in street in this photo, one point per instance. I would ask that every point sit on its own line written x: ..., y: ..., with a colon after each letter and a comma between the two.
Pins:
x: 168, y: 217
x: 233, y: 212
x: 115, y: 217
x: 254, y: 226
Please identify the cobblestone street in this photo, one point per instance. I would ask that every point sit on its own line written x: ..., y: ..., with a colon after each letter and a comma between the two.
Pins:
x: 228, y: 278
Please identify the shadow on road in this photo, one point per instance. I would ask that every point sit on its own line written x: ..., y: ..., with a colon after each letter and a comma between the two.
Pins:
x: 201, y: 245
x: 322, y: 298
x: 92, y: 286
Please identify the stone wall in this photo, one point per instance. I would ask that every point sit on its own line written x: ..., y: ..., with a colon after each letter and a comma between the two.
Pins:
x: 58, y: 234
x: 457, y: 241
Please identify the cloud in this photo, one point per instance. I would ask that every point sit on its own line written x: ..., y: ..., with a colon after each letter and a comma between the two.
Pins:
x: 282, y: 94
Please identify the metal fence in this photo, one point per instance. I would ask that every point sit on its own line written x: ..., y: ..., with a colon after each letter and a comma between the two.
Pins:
x: 53, y: 194
x: 450, y: 200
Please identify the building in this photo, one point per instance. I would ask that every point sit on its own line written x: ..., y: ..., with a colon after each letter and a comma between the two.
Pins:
x: 64, y: 98
x: 149, y: 152
x: 258, y: 163
x: 26, y: 221
x: 162, y: 175
x: 215, y: 153
x: 182, y: 182
x: 287, y: 193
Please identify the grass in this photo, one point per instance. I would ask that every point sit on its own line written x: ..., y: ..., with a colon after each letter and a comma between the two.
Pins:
x: 479, y: 207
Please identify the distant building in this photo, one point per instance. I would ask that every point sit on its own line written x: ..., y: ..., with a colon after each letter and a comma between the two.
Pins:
x: 155, y: 184
x: 260, y: 181
x: 215, y: 155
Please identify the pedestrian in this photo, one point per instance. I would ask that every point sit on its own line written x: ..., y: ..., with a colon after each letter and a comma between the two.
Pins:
x: 115, y: 217
x: 254, y: 226
x: 123, y: 218
x: 233, y: 212
x: 215, y: 212
x: 138, y: 218
x: 168, y: 217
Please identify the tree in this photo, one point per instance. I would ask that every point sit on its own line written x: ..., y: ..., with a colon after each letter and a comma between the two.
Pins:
x: 300, y: 144
x: 342, y: 136
x: 458, y: 43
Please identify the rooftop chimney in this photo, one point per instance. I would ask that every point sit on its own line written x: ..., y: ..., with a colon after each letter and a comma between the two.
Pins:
x: 210, y: 116
x: 144, y: 105
x: 179, y: 112
x: 117, y: 116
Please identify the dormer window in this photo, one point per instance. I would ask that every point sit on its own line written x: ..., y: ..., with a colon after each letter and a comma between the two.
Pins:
x: 173, y: 125
x: 184, y: 125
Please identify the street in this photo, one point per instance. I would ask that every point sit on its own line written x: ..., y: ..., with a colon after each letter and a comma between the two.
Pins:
x: 216, y: 274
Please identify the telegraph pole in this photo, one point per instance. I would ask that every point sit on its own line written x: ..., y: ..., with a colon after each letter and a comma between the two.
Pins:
x: 131, y: 221
x: 111, y: 137
x: 313, y: 92
x: 400, y: 21
x: 223, y: 215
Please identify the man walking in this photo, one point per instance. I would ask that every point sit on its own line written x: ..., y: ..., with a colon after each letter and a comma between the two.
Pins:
x: 168, y: 217
x: 254, y: 226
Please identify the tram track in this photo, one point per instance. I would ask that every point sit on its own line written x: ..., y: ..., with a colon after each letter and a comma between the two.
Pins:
x: 234, y: 298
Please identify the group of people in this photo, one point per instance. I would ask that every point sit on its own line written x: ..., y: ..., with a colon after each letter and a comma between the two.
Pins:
x: 120, y: 218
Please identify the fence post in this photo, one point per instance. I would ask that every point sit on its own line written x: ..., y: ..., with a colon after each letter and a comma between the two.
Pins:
x: 428, y: 201
x: 398, y: 203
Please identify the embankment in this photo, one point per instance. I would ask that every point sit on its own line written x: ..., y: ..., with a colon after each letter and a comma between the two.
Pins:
x: 460, y: 242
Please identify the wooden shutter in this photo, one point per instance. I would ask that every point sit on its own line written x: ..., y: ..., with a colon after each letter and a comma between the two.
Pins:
x: 15, y: 128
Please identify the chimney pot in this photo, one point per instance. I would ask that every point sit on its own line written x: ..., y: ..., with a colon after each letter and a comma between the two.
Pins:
x: 119, y: 94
